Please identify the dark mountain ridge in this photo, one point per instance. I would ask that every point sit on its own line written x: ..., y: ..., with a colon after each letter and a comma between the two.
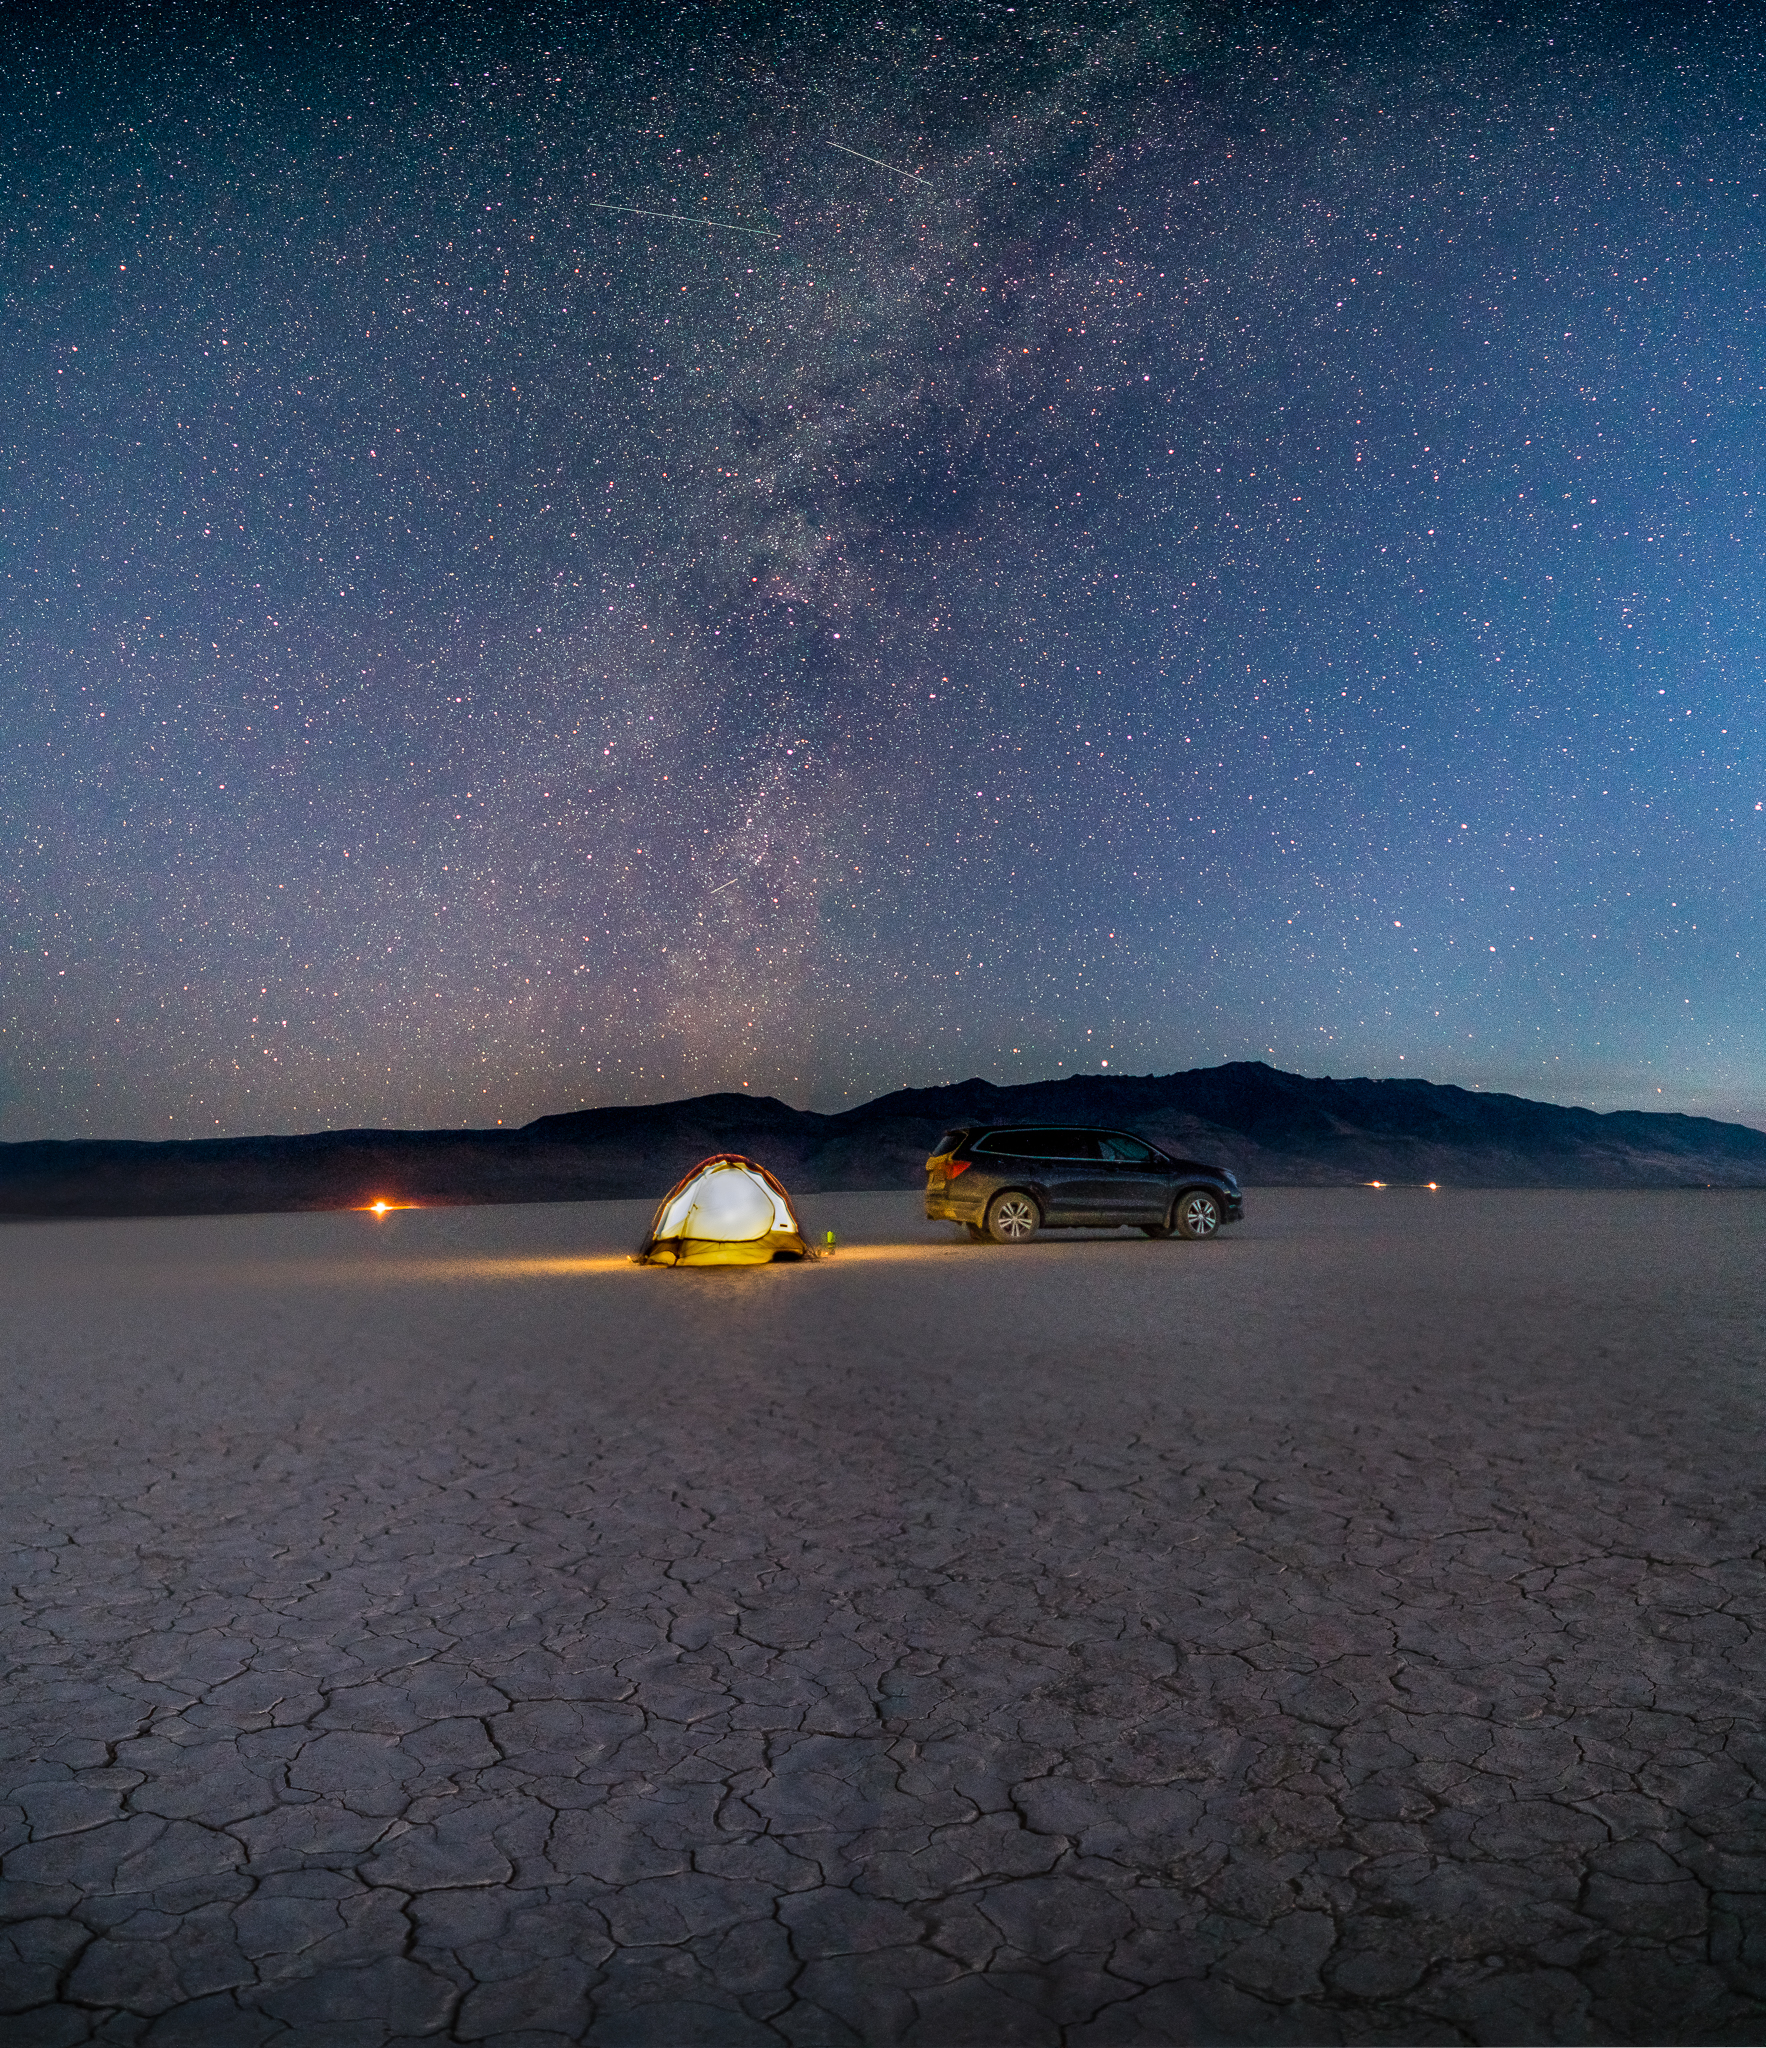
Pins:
x: 1273, y: 1129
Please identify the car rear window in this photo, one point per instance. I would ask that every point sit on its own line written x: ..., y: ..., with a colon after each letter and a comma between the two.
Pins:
x: 1074, y: 1144
x: 1013, y: 1144
x: 948, y: 1143
x: 1041, y: 1144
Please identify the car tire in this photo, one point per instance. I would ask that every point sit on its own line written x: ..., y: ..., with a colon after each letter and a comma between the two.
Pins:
x: 1012, y: 1218
x: 1197, y: 1214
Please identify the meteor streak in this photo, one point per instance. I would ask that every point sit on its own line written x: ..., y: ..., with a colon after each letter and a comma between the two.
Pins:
x: 692, y: 220
x: 881, y: 165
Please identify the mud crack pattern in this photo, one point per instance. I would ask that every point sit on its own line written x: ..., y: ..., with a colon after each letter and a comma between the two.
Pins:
x: 1348, y: 1630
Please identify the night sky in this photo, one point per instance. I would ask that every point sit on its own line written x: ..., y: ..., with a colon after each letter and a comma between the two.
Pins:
x: 1243, y: 543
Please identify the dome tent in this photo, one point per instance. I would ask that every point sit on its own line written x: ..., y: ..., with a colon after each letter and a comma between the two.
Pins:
x: 729, y: 1211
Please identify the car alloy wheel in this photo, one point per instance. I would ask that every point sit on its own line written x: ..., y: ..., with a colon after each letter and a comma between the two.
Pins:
x: 1012, y: 1219
x: 1197, y: 1214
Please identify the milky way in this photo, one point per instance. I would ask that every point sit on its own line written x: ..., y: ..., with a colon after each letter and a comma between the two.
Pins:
x: 596, y: 556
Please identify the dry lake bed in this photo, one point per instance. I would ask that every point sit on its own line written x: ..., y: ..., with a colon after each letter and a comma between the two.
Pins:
x: 438, y: 1629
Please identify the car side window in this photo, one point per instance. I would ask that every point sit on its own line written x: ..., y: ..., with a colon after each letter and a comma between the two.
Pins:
x: 1041, y: 1144
x: 1129, y: 1150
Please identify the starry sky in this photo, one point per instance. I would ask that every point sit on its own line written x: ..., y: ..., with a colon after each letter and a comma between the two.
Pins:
x: 569, y: 555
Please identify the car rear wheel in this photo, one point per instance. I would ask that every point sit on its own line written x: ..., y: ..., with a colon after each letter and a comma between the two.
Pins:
x: 1197, y: 1214
x: 1012, y: 1218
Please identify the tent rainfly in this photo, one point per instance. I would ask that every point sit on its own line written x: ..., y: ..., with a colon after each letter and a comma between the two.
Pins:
x: 729, y: 1211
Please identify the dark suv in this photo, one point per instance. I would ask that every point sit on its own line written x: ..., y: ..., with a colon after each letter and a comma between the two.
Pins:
x: 1004, y: 1184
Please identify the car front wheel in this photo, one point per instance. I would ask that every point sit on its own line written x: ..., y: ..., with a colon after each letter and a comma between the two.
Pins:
x: 1012, y: 1219
x: 1197, y: 1214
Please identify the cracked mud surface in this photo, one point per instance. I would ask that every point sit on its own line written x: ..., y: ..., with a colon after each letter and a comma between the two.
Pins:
x: 1349, y: 1630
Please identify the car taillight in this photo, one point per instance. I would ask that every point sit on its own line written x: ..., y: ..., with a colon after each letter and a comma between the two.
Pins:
x: 957, y: 1166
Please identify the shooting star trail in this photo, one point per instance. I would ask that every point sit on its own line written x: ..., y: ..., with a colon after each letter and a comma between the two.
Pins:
x: 881, y: 165
x: 722, y: 886
x: 692, y: 220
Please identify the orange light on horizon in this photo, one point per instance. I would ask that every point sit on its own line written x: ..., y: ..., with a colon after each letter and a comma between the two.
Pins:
x: 380, y: 1207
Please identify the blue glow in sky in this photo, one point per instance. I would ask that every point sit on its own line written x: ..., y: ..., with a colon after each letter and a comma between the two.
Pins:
x: 1230, y: 549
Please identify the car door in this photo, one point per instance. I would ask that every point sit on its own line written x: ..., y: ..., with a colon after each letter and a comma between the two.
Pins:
x: 1087, y: 1186
x: 1049, y: 1163
x: 1140, y: 1183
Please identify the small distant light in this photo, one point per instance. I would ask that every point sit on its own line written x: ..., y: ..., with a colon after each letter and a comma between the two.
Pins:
x: 1376, y: 1183
x: 1434, y: 1187
x: 380, y: 1208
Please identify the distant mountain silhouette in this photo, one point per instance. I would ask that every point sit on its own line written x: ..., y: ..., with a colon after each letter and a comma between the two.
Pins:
x: 1273, y: 1129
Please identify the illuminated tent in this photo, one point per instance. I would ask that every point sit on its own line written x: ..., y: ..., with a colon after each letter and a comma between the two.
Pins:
x: 728, y: 1211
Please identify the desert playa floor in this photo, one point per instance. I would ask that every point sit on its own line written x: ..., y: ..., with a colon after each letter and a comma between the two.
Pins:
x: 440, y: 1629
